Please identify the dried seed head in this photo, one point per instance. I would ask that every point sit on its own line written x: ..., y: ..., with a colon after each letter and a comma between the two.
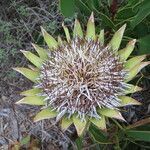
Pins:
x: 80, y: 76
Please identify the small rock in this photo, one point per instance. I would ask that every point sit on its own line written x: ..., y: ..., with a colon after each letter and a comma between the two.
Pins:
x: 3, y: 98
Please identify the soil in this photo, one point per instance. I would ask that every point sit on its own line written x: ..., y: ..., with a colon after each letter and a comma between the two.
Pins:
x: 16, y: 121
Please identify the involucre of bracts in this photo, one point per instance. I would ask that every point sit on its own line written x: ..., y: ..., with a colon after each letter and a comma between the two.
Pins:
x: 82, y: 80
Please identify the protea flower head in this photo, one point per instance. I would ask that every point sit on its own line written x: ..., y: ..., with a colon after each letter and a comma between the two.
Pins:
x: 81, y: 79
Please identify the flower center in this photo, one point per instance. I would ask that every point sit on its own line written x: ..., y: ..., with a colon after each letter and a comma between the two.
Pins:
x: 81, y: 76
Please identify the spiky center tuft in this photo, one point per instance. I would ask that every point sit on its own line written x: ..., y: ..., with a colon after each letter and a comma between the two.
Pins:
x: 81, y: 76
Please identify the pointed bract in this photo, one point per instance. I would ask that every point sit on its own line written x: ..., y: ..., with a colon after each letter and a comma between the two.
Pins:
x: 135, y: 70
x: 134, y: 61
x: 90, y: 32
x: 65, y: 123
x: 112, y: 113
x: 117, y: 38
x: 101, y: 37
x: 125, y: 52
x: 79, y: 125
x: 133, y: 89
x: 46, y: 113
x: 77, y: 32
x: 51, y: 42
x: 33, y: 58
x: 28, y: 73
x: 31, y: 92
x: 66, y: 32
x: 126, y: 100
x: 32, y: 100
x: 100, y: 123
x: 41, y: 51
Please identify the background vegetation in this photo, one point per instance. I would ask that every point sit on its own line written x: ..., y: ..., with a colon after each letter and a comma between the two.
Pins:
x: 20, y: 22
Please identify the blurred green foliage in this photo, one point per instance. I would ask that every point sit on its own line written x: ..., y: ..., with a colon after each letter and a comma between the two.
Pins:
x: 110, y: 15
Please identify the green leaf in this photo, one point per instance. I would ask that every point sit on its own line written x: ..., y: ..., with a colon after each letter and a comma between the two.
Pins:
x: 51, y: 42
x: 112, y: 113
x: 98, y: 135
x: 134, y: 61
x: 45, y: 114
x: 79, y: 125
x: 65, y: 123
x: 125, y: 52
x: 41, y: 51
x: 28, y: 73
x: 125, y: 13
x: 106, y: 20
x: 133, y: 2
x: 135, y: 70
x: 139, y: 135
x: 100, y: 123
x: 143, y: 12
x: 31, y: 92
x: 116, y: 39
x: 67, y: 7
x: 126, y: 100
x: 77, y: 29
x: 144, y: 47
x: 32, y: 100
x: 79, y: 143
x: 66, y: 32
x: 90, y: 32
x: 141, y: 29
x: 82, y: 7
x: 33, y: 58
x: 93, y: 4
